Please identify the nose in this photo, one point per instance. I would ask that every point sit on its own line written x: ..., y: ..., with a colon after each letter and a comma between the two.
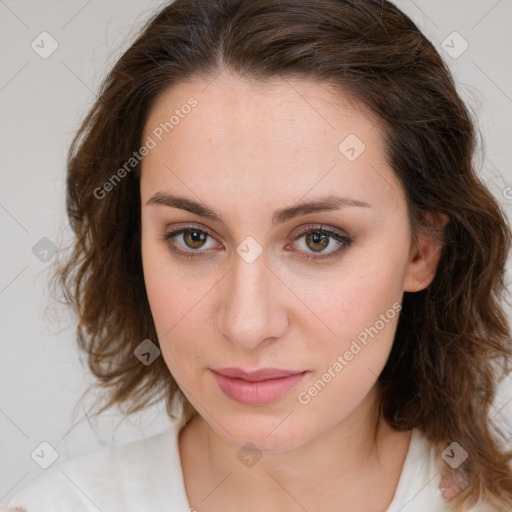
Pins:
x: 252, y: 310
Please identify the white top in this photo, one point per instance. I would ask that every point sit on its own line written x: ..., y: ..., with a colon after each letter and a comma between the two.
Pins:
x: 146, y: 476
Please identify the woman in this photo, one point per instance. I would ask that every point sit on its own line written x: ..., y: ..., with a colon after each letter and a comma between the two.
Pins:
x: 279, y: 229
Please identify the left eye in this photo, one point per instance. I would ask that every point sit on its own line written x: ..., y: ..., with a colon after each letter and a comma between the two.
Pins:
x: 315, y: 239
x: 318, y: 239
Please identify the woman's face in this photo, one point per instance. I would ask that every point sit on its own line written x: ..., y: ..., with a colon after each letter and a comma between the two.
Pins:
x: 251, y: 284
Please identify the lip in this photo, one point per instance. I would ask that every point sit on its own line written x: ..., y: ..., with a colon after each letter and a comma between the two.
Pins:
x: 256, y: 375
x: 257, y: 387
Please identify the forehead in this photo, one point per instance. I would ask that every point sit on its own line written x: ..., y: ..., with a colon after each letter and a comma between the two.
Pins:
x: 228, y: 105
x: 280, y: 135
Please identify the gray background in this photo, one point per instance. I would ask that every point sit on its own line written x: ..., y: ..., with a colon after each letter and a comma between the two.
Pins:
x: 42, y: 101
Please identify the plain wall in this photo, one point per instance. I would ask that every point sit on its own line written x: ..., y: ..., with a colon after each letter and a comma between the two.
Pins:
x: 42, y: 101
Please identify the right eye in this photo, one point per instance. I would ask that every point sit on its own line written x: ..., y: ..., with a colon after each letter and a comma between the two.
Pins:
x: 192, y: 239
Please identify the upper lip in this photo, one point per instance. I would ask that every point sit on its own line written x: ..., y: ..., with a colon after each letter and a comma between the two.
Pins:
x: 256, y: 375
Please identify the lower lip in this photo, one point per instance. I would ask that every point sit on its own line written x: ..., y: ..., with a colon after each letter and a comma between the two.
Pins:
x: 256, y: 393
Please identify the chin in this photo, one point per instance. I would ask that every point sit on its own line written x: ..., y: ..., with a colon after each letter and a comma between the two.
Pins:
x: 268, y: 432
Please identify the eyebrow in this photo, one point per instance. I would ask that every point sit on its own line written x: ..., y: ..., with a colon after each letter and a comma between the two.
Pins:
x: 328, y: 203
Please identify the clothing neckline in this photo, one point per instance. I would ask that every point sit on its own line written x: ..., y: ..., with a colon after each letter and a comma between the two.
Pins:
x: 417, y: 451
x: 416, y: 463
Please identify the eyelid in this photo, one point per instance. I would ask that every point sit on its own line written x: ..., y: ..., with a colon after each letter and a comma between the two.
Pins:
x: 320, y: 227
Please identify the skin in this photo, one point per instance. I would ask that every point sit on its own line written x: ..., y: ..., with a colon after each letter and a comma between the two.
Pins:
x: 246, y: 150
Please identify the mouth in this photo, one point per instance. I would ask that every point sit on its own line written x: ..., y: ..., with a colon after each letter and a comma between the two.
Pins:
x: 258, y: 387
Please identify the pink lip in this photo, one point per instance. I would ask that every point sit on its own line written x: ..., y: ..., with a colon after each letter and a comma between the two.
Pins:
x: 258, y: 387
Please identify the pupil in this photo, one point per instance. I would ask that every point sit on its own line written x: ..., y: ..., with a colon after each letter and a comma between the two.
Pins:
x: 318, y: 239
x: 197, y: 238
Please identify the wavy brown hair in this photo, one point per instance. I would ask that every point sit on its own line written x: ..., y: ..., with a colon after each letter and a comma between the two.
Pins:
x: 453, y: 341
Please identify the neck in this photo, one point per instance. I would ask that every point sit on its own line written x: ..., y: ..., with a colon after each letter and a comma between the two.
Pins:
x: 345, y: 457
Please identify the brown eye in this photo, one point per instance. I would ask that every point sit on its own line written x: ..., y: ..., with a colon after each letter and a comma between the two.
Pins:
x: 188, y: 242
x: 191, y: 242
x: 317, y: 241
x: 194, y: 239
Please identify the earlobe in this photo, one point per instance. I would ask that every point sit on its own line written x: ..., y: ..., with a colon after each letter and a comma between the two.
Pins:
x: 425, y: 253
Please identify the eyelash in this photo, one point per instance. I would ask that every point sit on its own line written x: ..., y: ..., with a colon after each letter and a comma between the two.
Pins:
x: 345, y: 242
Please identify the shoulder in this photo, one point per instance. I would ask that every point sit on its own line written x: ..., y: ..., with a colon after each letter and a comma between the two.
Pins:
x: 501, y: 417
x: 105, y: 479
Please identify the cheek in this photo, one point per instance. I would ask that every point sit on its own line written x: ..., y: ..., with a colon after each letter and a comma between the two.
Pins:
x: 363, y: 314
x: 162, y: 291
x: 176, y: 308
x: 156, y: 283
x: 361, y: 307
x: 166, y: 289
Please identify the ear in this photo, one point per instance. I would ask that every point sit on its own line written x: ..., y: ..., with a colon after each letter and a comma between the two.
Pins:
x: 425, y: 253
